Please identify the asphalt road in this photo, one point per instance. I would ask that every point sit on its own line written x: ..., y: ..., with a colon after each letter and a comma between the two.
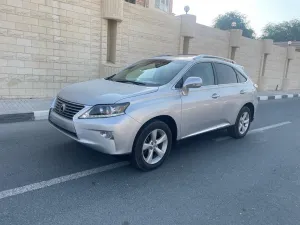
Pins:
x: 207, y: 179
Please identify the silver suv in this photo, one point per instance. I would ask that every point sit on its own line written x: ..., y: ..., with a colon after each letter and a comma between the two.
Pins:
x: 149, y: 105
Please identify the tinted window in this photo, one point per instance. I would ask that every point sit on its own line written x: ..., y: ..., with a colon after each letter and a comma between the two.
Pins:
x: 241, y: 77
x: 226, y: 74
x: 153, y: 72
x: 204, y: 71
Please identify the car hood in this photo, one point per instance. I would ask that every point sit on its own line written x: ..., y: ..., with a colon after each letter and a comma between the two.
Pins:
x: 102, y: 91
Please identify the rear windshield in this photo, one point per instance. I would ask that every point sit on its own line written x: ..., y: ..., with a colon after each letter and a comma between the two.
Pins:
x: 151, y: 72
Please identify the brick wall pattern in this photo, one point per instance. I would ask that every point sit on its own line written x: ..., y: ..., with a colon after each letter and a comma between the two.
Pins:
x: 48, y: 44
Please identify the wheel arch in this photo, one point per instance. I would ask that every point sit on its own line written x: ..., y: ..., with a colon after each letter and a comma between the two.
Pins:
x: 170, y: 121
x: 250, y: 105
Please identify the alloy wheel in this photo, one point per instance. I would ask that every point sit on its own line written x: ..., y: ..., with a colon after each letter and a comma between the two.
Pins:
x: 244, y: 122
x: 155, y: 146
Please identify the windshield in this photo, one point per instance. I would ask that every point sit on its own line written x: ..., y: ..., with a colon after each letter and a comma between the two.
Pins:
x: 153, y: 72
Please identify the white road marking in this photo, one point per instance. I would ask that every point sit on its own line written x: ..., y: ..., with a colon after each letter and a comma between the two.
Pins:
x: 255, y: 130
x: 269, y: 127
x: 278, y: 96
x: 290, y: 95
x: 58, y: 180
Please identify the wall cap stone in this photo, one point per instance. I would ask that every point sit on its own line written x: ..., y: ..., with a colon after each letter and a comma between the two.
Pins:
x: 113, y: 9
x: 235, y: 37
x: 291, y: 52
x: 188, y: 25
x: 267, y: 46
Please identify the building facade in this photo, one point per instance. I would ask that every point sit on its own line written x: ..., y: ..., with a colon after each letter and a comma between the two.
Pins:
x: 48, y: 44
x: 164, y: 5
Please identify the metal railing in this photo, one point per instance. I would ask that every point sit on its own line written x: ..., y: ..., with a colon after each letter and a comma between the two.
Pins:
x: 204, y: 56
x: 215, y: 57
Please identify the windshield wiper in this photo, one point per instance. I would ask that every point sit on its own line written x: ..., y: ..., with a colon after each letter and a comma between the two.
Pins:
x: 109, y: 78
x: 130, y: 82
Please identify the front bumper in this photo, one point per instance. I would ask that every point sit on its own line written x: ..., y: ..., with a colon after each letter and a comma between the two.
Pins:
x: 87, y: 132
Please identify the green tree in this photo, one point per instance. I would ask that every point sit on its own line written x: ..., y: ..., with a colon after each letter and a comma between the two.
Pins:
x: 284, y: 31
x: 224, y: 22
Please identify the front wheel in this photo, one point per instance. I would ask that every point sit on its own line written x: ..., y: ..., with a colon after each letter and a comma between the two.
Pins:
x: 242, y: 124
x: 152, y: 146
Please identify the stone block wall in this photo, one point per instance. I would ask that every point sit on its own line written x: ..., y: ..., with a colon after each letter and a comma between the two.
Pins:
x: 48, y: 44
x: 146, y: 33
x: 203, y: 43
x: 293, y: 72
x: 275, y: 68
x: 250, y: 56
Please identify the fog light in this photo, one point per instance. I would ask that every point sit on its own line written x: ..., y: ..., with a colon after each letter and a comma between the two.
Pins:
x: 107, y: 134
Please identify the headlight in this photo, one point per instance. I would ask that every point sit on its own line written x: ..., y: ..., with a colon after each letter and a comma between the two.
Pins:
x: 102, y: 111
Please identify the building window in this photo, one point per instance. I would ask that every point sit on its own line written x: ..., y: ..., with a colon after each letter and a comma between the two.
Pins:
x: 163, y: 5
x: 130, y: 1
x: 111, y: 40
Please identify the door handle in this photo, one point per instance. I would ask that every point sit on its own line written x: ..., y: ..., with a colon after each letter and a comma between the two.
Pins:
x: 215, y: 95
x: 242, y: 92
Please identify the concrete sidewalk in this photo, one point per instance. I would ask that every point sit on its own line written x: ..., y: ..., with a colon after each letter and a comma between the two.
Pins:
x: 11, y: 106
x: 17, y: 110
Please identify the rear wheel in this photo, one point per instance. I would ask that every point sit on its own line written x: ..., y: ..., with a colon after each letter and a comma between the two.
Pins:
x: 152, y: 146
x: 242, y: 124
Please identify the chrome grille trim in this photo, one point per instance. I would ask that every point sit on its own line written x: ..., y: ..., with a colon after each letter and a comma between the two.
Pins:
x: 71, y: 108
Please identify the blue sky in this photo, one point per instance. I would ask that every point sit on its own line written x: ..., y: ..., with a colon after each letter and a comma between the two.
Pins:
x: 259, y: 12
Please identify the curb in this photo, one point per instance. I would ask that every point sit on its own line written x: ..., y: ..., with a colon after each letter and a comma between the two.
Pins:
x: 22, y: 117
x: 43, y: 115
x: 276, y: 97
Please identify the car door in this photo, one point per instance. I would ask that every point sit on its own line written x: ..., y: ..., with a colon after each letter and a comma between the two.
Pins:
x: 200, y: 108
x: 231, y: 92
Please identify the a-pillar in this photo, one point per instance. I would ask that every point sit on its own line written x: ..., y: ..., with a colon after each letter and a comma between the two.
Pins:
x: 289, y: 56
x: 267, y: 47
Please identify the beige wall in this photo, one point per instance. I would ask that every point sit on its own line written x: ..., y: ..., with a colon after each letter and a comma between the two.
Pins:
x: 146, y: 33
x: 294, y: 72
x: 203, y: 43
x: 250, y: 55
x: 48, y: 44
x: 275, y: 68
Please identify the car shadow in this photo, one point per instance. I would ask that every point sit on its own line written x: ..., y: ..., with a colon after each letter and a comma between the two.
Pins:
x: 73, y: 153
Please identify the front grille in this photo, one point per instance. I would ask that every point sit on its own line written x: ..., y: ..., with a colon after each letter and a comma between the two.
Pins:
x: 70, y: 108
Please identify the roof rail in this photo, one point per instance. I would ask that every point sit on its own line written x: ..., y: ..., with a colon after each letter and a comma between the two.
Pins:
x: 161, y: 55
x: 215, y: 57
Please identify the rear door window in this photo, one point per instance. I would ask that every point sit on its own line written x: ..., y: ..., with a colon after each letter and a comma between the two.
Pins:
x: 225, y: 74
x: 241, y: 77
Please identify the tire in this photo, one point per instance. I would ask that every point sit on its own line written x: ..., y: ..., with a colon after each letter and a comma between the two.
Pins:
x: 140, y: 158
x: 235, y: 131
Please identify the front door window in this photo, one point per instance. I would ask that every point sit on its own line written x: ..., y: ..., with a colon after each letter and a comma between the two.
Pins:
x: 204, y: 71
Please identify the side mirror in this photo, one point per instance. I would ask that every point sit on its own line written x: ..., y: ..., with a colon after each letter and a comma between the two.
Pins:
x: 191, y: 82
